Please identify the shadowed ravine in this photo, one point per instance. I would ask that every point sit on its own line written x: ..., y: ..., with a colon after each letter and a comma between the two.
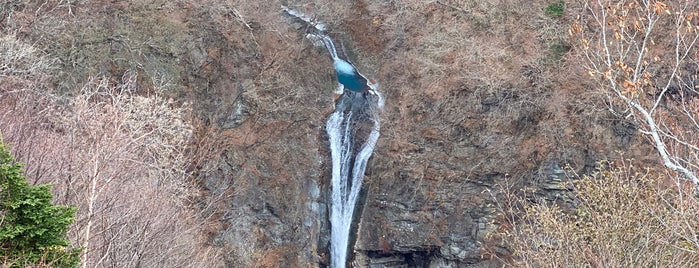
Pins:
x: 353, y: 129
x: 354, y: 122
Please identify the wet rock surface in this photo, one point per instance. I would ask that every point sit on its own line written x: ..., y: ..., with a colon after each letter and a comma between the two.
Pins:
x: 461, y: 118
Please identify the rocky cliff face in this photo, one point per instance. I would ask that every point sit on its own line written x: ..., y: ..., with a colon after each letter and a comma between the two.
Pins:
x: 477, y: 95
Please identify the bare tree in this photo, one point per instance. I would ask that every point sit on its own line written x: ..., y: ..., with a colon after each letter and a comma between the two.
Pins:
x: 644, y: 53
x: 118, y: 156
x: 130, y: 166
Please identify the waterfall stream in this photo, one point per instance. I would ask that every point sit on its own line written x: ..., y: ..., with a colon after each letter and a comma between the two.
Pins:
x: 348, y: 166
x: 355, y: 114
x: 353, y: 130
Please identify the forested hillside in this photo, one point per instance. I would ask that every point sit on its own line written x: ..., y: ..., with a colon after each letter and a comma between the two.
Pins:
x: 517, y: 133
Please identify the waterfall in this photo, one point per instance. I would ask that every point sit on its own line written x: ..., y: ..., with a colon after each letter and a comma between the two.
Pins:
x: 353, y: 113
x: 355, y: 121
x: 330, y: 46
x: 347, y: 171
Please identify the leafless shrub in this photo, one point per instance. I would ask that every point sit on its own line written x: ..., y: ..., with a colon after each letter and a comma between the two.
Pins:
x: 643, y: 56
x: 623, y: 217
x: 118, y: 156
x: 21, y: 60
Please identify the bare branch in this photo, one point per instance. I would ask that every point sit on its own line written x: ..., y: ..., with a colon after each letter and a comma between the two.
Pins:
x: 643, y: 53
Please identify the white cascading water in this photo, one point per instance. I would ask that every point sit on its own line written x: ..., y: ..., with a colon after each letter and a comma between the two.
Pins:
x: 347, y: 171
x: 345, y: 185
x: 348, y: 167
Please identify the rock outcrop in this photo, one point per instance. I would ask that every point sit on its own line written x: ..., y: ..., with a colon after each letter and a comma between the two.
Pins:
x: 475, y: 101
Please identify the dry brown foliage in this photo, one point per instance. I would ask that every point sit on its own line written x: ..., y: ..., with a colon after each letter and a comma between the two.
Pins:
x: 117, y: 156
x: 621, y: 216
x: 643, y: 54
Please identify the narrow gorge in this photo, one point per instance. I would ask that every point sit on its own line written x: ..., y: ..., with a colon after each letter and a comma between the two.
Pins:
x: 303, y: 133
x: 353, y: 129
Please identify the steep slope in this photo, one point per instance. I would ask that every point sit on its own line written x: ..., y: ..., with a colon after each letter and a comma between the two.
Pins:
x: 478, y: 94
